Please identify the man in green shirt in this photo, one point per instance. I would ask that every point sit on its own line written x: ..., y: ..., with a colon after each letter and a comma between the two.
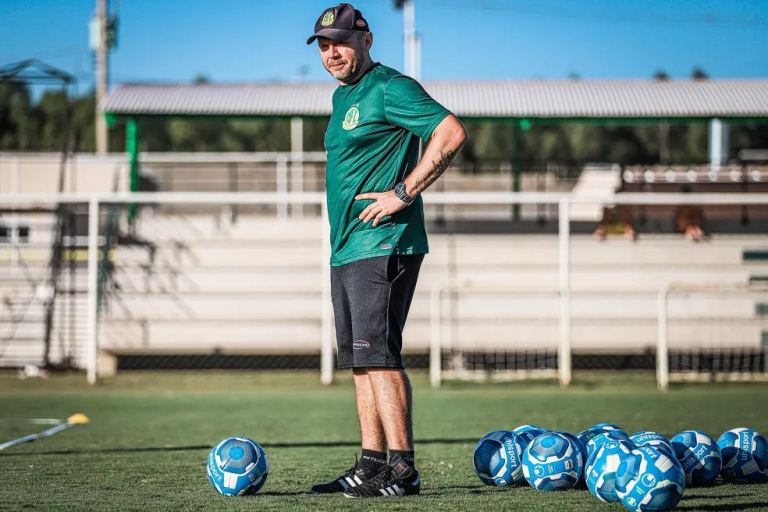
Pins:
x: 374, y: 179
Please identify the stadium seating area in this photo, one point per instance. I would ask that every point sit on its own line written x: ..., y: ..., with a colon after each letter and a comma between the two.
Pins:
x: 254, y: 288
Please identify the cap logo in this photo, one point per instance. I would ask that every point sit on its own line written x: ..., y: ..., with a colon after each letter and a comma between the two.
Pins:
x: 351, y: 118
x: 360, y: 23
x: 328, y: 18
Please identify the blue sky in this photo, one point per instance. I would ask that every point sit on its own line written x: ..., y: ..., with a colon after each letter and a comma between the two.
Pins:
x: 260, y: 40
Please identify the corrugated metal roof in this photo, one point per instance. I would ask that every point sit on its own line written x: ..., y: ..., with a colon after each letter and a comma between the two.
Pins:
x: 533, y: 99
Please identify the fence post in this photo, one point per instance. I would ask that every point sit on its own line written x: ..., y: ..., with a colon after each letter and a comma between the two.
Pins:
x: 326, y: 310
x: 297, y: 163
x: 93, y: 284
x: 281, y: 181
x: 564, y: 262
x: 435, y: 345
x: 662, y: 349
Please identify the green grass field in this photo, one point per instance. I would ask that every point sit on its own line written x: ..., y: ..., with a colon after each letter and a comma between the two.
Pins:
x: 150, y: 434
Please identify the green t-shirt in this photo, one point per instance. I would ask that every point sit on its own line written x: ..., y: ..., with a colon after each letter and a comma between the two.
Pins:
x: 372, y: 144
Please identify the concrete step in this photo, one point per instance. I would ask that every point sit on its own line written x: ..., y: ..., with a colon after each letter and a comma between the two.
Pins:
x: 622, y: 335
x: 161, y: 228
x: 302, y: 253
x: 308, y: 279
x: 469, y: 305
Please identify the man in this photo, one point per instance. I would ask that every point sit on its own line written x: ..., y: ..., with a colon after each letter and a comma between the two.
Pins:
x: 378, y: 238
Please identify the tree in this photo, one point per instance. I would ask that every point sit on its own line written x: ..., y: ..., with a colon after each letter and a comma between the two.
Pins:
x: 699, y: 75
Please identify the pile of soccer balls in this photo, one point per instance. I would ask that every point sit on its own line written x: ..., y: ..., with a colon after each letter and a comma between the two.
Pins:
x: 645, y: 471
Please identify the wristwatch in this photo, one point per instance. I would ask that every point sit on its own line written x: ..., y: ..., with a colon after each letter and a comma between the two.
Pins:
x: 402, y: 194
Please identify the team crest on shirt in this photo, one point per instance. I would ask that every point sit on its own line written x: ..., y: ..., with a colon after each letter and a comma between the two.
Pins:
x: 351, y: 118
x: 328, y: 18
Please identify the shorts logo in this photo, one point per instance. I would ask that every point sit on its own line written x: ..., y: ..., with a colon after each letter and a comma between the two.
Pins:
x: 351, y: 118
x: 360, y: 344
x: 328, y: 18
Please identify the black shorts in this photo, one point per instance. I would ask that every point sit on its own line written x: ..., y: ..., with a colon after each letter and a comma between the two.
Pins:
x: 371, y: 299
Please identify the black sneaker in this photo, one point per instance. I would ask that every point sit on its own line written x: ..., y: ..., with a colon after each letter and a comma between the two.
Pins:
x: 395, y: 479
x: 356, y: 475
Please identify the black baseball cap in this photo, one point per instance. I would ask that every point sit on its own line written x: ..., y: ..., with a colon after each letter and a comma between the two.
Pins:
x: 339, y: 23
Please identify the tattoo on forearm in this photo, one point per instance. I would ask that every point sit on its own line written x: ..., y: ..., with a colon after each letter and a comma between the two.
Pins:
x: 424, y: 179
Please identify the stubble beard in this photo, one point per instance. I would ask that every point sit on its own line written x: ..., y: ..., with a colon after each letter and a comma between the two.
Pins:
x: 345, y: 74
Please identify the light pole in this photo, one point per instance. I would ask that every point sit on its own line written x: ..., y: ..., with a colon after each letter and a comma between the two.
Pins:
x: 411, y: 38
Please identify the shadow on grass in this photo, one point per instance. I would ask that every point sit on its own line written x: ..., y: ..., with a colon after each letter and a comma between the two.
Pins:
x: 725, y: 506
x: 150, y: 449
x: 710, y: 496
x: 283, y: 494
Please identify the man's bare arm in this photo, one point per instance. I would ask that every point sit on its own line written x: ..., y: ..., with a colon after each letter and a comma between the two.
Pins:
x: 445, y: 142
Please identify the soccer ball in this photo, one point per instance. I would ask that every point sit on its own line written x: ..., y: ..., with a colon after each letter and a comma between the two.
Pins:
x: 600, y: 471
x: 497, y: 458
x: 575, y: 439
x: 648, y: 479
x: 586, y: 436
x: 237, y: 466
x: 745, y: 456
x: 699, y: 455
x: 606, y: 427
x: 552, y: 462
x: 596, y: 442
x: 531, y: 431
x: 652, y: 439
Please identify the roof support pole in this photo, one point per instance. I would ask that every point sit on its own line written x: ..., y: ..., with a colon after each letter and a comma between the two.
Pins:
x: 132, y: 148
x: 297, y: 162
x: 515, y: 161
x: 718, y: 142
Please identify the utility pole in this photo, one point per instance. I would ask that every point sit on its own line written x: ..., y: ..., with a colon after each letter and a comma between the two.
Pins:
x: 411, y: 39
x: 102, y: 76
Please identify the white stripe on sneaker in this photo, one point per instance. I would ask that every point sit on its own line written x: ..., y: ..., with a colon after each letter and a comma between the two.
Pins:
x: 351, y: 482
x: 398, y: 490
x: 384, y: 492
x: 357, y: 479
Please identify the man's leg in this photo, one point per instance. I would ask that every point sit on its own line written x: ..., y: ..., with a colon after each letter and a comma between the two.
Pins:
x: 374, y: 455
x: 381, y: 309
x: 371, y: 428
x: 392, y: 391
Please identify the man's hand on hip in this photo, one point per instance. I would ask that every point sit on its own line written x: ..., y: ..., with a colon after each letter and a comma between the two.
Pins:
x: 386, y: 203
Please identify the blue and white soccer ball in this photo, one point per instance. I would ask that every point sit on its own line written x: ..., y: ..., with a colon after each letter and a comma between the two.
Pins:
x: 745, y: 456
x: 237, y: 466
x: 600, y: 471
x: 586, y: 436
x: 699, y: 455
x: 652, y: 439
x: 575, y: 439
x: 498, y: 458
x: 648, y: 479
x: 531, y: 431
x: 605, y: 427
x: 552, y: 462
x: 596, y: 442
